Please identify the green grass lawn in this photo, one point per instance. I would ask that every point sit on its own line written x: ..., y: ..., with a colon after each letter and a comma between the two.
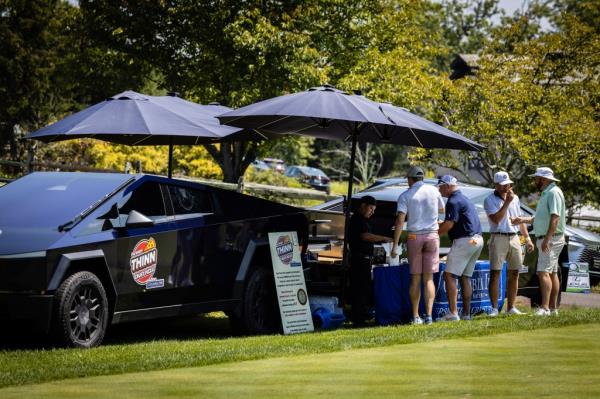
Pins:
x: 19, y: 367
x: 555, y: 362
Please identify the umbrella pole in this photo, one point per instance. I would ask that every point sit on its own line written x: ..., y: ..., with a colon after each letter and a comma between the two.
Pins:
x: 170, y: 172
x: 345, y: 256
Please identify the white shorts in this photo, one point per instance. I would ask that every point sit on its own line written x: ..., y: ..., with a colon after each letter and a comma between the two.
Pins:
x: 548, y: 261
x: 463, y: 255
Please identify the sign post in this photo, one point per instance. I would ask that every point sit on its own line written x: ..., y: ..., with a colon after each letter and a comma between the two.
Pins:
x: 289, y: 281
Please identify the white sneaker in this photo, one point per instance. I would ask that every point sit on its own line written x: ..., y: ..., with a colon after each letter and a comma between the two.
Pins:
x: 514, y: 311
x: 466, y: 317
x: 554, y: 312
x: 416, y: 321
x: 449, y: 317
x: 493, y: 312
x: 541, y: 312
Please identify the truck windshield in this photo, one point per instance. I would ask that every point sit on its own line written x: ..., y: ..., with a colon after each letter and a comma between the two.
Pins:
x: 48, y: 199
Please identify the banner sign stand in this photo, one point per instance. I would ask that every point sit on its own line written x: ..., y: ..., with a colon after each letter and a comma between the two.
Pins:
x: 579, y: 277
x: 289, y: 282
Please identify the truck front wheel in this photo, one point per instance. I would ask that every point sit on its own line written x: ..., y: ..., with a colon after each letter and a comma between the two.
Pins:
x: 260, y: 307
x: 81, y: 311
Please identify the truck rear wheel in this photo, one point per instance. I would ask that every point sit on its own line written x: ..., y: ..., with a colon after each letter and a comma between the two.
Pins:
x: 81, y: 311
x: 260, y: 306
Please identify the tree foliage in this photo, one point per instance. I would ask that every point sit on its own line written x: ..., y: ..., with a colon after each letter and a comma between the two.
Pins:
x: 534, y: 100
x: 536, y: 105
x: 466, y: 24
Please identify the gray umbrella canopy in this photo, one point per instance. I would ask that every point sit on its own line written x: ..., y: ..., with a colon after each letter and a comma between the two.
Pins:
x: 137, y: 119
x: 327, y: 113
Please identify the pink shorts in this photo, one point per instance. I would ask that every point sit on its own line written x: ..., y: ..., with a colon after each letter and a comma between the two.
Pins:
x: 423, y: 252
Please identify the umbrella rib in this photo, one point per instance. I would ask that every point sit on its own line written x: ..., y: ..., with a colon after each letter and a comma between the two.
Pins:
x: 144, y: 139
x: 272, y: 122
x: 418, y: 141
x: 260, y: 134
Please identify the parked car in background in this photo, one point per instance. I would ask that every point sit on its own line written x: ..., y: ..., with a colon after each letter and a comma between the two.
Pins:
x: 314, y: 177
x: 260, y: 166
x: 276, y: 164
x: 82, y: 251
x: 582, y: 245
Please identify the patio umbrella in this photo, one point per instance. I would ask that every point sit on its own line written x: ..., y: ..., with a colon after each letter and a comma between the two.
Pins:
x: 328, y: 113
x: 137, y: 119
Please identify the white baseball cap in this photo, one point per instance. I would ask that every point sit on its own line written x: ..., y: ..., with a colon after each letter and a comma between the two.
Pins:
x: 502, y: 178
x: 545, y: 173
x: 447, y: 179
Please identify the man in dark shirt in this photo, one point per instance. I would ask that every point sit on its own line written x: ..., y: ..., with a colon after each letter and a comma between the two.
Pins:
x: 464, y: 229
x: 361, y: 242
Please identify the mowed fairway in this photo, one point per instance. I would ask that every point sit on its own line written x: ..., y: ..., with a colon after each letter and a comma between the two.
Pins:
x: 555, y: 362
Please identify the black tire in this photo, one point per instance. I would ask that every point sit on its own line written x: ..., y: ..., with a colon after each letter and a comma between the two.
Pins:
x: 81, y: 311
x: 260, y: 306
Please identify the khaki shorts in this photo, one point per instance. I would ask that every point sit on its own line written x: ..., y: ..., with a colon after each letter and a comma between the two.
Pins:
x: 505, y: 248
x: 548, y: 261
x: 463, y: 255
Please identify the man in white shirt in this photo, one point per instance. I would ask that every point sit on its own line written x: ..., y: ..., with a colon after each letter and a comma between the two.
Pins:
x: 502, y: 206
x: 420, y: 206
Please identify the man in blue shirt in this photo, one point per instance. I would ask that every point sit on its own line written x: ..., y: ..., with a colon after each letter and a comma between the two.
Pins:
x: 464, y: 229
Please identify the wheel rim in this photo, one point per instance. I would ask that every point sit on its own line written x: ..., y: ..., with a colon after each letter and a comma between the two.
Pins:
x: 85, y: 314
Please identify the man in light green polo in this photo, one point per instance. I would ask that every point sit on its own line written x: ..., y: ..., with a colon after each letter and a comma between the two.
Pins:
x: 549, y: 228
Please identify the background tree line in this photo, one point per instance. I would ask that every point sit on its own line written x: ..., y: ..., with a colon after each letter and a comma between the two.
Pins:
x: 534, y: 99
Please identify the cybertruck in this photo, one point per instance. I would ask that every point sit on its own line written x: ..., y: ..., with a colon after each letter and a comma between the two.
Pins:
x: 81, y: 251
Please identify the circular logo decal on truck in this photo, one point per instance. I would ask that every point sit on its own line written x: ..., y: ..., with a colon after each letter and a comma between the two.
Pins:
x: 144, y: 259
x: 285, y: 249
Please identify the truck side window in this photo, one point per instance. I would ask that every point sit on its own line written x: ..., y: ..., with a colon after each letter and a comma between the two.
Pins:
x: 187, y: 201
x: 146, y: 199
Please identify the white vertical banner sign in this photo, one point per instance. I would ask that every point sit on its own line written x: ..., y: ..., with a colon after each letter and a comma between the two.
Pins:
x: 289, y: 281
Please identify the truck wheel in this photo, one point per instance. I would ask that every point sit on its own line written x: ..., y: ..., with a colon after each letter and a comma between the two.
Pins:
x: 81, y: 311
x: 261, y: 309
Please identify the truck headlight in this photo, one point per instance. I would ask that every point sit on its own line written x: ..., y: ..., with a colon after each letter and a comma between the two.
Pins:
x: 575, y: 248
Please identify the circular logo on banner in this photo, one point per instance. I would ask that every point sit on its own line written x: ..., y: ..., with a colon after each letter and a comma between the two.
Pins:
x: 143, y: 261
x: 285, y: 249
x: 573, y: 266
x: 302, y: 297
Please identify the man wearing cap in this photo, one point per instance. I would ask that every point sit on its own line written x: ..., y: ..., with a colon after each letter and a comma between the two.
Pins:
x: 419, y: 206
x: 502, y: 206
x: 549, y: 228
x: 464, y: 229
x: 361, y: 255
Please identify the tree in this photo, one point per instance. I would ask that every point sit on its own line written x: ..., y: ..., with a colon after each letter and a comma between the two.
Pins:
x: 29, y: 53
x: 466, y: 24
x: 536, y: 105
x: 240, y: 52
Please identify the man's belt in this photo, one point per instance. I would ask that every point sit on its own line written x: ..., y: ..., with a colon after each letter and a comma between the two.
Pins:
x: 504, y: 234
x: 553, y: 235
